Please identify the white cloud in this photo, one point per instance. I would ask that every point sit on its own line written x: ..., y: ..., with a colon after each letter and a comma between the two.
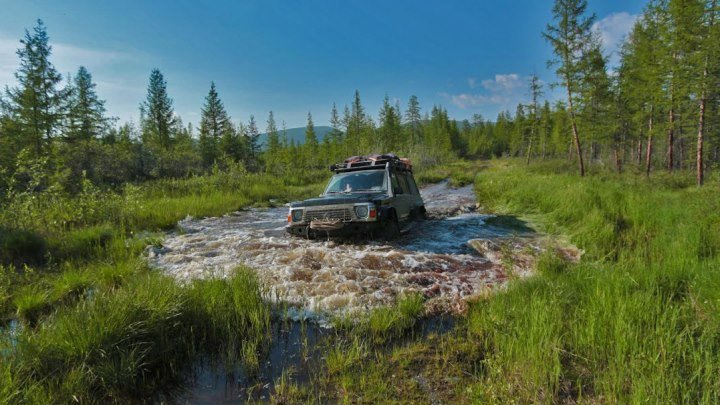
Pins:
x: 504, y: 91
x: 613, y: 29
x: 66, y: 58
x: 114, y: 71
x: 8, y: 61
x: 503, y: 83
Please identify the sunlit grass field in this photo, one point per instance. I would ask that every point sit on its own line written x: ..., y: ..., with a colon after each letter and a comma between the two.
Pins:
x: 636, y: 321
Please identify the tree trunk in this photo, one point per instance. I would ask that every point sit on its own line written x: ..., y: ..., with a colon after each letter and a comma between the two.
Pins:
x: 700, y: 172
x: 576, y: 136
x: 648, y: 155
x: 671, y: 120
x: 638, y: 156
x: 670, y: 140
x: 618, y: 164
x: 681, y: 158
x: 529, y: 151
x: 700, y: 175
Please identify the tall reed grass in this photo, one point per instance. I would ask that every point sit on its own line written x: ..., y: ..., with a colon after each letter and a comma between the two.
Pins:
x: 636, y: 321
x: 136, y: 343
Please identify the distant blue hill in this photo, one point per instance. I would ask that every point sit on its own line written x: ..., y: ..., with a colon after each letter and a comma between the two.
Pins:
x: 298, y: 134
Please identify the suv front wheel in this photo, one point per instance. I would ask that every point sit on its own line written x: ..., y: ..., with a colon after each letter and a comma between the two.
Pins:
x: 391, y: 228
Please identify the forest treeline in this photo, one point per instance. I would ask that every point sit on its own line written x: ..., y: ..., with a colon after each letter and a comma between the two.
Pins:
x: 657, y: 109
x: 57, y: 133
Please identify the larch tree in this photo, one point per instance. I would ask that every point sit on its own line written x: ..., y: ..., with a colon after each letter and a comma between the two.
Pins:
x: 595, y: 98
x: 569, y: 35
x: 535, y: 93
x: 642, y: 75
x: 413, y: 118
x: 709, y: 55
x: 681, y: 32
x: 37, y: 105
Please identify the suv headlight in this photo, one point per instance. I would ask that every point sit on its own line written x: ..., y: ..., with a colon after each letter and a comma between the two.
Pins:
x: 362, y: 211
x: 296, y: 215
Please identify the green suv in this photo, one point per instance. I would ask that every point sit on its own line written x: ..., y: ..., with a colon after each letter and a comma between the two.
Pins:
x: 368, y: 195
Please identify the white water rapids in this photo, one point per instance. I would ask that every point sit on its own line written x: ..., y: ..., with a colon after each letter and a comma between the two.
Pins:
x: 433, y: 257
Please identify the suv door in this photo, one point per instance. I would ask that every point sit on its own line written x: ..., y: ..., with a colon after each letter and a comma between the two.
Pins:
x: 402, y: 195
x: 417, y: 201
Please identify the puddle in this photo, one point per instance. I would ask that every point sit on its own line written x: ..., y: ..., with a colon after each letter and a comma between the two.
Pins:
x: 433, y: 257
x: 297, y: 351
x: 294, y: 351
x: 8, y: 336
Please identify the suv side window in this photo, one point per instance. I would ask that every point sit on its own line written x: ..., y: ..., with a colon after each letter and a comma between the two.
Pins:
x: 395, y: 183
x: 413, y: 186
x: 404, y: 183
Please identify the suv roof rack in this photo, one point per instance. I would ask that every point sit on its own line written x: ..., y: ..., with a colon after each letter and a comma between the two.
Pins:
x: 370, y: 162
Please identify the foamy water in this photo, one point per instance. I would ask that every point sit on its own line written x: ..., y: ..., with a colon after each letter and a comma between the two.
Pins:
x: 433, y: 257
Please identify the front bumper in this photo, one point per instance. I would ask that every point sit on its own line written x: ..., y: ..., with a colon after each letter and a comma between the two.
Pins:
x: 340, y: 219
x: 348, y: 229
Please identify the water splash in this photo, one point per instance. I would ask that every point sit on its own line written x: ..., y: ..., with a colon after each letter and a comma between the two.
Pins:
x: 334, y: 276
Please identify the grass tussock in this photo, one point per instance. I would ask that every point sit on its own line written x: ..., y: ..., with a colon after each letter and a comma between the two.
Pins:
x: 384, y: 323
x: 136, y: 342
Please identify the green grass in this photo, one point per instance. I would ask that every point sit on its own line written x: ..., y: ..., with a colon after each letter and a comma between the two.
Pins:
x: 138, y: 341
x: 635, y: 322
x: 50, y: 227
x: 384, y: 323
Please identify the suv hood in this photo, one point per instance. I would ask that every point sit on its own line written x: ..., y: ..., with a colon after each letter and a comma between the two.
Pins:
x: 333, y: 199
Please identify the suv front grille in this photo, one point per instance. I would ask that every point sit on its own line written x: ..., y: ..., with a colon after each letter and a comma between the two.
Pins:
x: 342, y: 214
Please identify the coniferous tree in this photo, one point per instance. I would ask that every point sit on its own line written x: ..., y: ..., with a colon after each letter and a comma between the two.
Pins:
x: 642, y: 78
x: 273, y: 144
x: 311, y: 143
x: 681, y: 32
x: 535, y: 93
x: 595, y: 98
x: 413, y: 117
x: 569, y: 36
x: 36, y: 105
x: 158, y: 117
x: 233, y: 145
x: 349, y: 138
x: 253, y: 141
x: 335, y: 136
x: 389, y: 127
x: 710, y: 41
x: 545, y: 130
x: 214, y: 125
x: 86, y: 112
x: 356, y: 129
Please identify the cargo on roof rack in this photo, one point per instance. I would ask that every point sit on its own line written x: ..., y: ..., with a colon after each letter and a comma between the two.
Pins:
x: 354, y: 163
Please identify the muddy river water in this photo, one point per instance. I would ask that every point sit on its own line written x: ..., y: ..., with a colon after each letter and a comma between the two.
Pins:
x: 452, y: 256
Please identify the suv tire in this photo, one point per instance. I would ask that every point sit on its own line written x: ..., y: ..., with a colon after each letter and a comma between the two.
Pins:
x: 391, y: 228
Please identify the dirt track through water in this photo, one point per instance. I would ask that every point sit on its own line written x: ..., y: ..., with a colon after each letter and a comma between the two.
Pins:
x: 316, y: 277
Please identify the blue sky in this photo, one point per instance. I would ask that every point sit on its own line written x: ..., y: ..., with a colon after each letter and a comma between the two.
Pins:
x: 298, y: 56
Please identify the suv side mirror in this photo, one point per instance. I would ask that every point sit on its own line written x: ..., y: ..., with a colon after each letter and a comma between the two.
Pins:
x: 397, y: 190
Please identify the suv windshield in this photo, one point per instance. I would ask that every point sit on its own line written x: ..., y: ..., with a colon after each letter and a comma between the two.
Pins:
x: 375, y: 180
